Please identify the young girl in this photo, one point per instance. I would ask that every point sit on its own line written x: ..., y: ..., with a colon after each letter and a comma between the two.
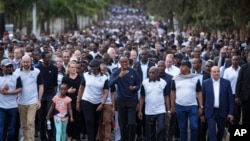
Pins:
x: 62, y: 105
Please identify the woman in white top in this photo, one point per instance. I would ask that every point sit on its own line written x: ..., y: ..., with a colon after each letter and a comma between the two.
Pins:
x: 92, y: 94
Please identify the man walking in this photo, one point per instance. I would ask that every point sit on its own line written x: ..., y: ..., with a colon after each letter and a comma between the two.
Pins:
x: 128, y: 83
x: 30, y: 98
x: 154, y: 94
x: 10, y: 86
x: 185, y: 89
x: 218, y: 104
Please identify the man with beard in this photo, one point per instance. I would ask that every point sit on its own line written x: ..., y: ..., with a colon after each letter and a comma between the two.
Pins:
x: 30, y: 98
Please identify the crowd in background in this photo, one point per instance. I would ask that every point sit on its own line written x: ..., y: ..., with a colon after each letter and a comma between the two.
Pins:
x: 104, y: 68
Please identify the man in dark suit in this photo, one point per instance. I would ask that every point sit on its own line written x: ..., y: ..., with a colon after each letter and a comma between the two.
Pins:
x: 168, y: 78
x: 218, y: 103
x: 144, y: 61
x: 202, y: 75
x: 242, y: 92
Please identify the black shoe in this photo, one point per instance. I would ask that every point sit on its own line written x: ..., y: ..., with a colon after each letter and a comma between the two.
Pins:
x: 36, y: 134
x: 84, y: 137
x: 139, y: 139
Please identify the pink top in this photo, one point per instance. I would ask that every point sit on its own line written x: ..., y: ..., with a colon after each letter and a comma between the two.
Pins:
x: 61, y: 105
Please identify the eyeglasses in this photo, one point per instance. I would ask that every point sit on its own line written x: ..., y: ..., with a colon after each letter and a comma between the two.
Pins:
x: 9, y: 66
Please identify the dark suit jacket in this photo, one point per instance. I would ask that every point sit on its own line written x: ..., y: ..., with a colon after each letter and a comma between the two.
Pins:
x: 137, y: 67
x: 206, y: 75
x: 243, y: 83
x: 168, y: 78
x: 226, y: 101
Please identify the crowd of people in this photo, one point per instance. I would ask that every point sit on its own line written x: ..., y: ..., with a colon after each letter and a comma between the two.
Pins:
x: 127, y: 75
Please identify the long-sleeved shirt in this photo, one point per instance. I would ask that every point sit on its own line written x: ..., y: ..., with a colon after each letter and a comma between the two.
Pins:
x: 130, y: 79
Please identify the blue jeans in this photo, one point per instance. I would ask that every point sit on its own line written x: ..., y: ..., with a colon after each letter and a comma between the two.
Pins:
x: 155, y: 127
x: 183, y: 114
x: 11, y: 115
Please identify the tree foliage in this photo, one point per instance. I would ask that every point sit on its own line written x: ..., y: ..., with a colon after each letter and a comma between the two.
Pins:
x: 19, y: 12
x: 204, y: 14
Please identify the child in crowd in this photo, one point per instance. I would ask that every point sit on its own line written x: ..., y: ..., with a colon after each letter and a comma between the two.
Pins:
x: 62, y: 105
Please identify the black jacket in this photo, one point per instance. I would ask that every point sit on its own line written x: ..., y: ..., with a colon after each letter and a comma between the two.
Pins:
x: 137, y: 67
x: 243, y: 83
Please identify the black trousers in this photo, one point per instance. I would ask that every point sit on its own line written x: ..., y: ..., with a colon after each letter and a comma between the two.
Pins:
x: 91, y: 117
x: 245, y: 112
x: 46, y: 135
x: 173, y: 129
x: 202, y: 130
x: 74, y: 128
x: 237, y: 113
x: 127, y: 119
x: 140, y: 127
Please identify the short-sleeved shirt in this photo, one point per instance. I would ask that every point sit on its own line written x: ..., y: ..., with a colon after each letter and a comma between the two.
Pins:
x: 14, y: 82
x: 61, y: 106
x: 154, y: 92
x: 186, y: 87
x: 31, y: 81
x: 93, y: 87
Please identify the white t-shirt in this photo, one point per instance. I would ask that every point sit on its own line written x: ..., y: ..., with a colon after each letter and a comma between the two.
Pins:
x: 186, y: 90
x: 154, y: 96
x: 93, y: 87
x: 29, y: 94
x: 8, y: 101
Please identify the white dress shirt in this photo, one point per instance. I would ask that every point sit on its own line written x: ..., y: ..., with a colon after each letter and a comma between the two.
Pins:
x: 216, y: 85
x: 173, y: 70
x: 232, y: 75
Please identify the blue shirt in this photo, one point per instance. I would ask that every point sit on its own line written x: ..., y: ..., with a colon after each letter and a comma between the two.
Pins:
x: 130, y: 79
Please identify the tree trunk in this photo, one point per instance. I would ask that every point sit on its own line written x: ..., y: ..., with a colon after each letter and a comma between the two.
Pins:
x: 48, y: 27
x: 2, y: 24
x: 171, y: 21
x: 243, y: 32
x: 75, y: 22
x: 42, y: 22
x: 20, y: 21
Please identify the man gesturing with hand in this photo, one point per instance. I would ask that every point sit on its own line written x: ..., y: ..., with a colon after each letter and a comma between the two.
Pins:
x: 128, y: 83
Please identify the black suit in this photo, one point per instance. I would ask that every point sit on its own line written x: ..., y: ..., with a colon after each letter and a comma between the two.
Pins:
x: 206, y: 75
x: 137, y: 67
x: 243, y: 92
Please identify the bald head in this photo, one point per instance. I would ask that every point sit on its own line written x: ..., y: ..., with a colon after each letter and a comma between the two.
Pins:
x: 215, y: 72
x: 153, y: 73
x: 26, y: 57
x: 26, y: 62
x: 153, y: 69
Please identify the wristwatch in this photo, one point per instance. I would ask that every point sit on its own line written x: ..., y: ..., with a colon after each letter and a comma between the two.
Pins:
x: 201, y: 107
